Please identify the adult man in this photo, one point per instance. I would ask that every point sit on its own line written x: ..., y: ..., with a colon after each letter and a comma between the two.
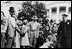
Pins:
x: 68, y: 33
x: 3, y: 29
x: 34, y: 30
x: 11, y: 27
x: 62, y: 32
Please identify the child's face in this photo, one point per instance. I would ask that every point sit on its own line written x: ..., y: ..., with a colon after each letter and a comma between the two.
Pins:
x: 47, y: 40
x: 47, y: 27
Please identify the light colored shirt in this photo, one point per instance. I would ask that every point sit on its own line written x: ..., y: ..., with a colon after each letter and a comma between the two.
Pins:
x: 34, y: 25
x: 12, y: 20
x: 11, y: 26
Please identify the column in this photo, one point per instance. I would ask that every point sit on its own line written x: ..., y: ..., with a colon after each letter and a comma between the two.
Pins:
x: 67, y: 10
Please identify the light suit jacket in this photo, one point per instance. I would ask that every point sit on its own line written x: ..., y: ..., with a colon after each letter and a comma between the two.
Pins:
x: 11, y: 28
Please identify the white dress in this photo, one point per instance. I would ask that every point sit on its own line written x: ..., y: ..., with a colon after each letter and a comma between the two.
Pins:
x: 17, y: 40
x: 25, y: 39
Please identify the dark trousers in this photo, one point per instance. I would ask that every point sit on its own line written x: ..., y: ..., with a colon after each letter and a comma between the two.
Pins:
x: 40, y: 41
x: 63, y: 42
x: 3, y: 40
x: 9, y: 42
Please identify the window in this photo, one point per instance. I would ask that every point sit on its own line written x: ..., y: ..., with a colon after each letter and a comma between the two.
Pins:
x: 62, y: 9
x: 69, y: 9
x: 54, y: 10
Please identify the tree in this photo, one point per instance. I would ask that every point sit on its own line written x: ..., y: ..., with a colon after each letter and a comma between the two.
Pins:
x: 30, y: 9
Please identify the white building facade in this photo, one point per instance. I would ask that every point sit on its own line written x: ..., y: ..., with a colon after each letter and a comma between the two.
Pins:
x: 56, y: 9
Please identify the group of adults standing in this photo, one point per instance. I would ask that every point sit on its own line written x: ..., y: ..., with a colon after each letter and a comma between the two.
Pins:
x: 17, y: 34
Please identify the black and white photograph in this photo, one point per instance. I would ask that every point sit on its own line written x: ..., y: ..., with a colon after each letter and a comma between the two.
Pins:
x: 35, y: 24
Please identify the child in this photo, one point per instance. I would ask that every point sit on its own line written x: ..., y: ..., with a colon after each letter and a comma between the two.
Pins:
x: 24, y: 39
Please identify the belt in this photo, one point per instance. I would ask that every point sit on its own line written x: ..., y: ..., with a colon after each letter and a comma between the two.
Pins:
x: 32, y: 30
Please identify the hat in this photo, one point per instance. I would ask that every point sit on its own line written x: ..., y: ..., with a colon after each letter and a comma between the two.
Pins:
x: 34, y: 17
x: 64, y: 15
x: 51, y: 21
x: 40, y: 19
x: 25, y: 21
x: 11, y: 9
